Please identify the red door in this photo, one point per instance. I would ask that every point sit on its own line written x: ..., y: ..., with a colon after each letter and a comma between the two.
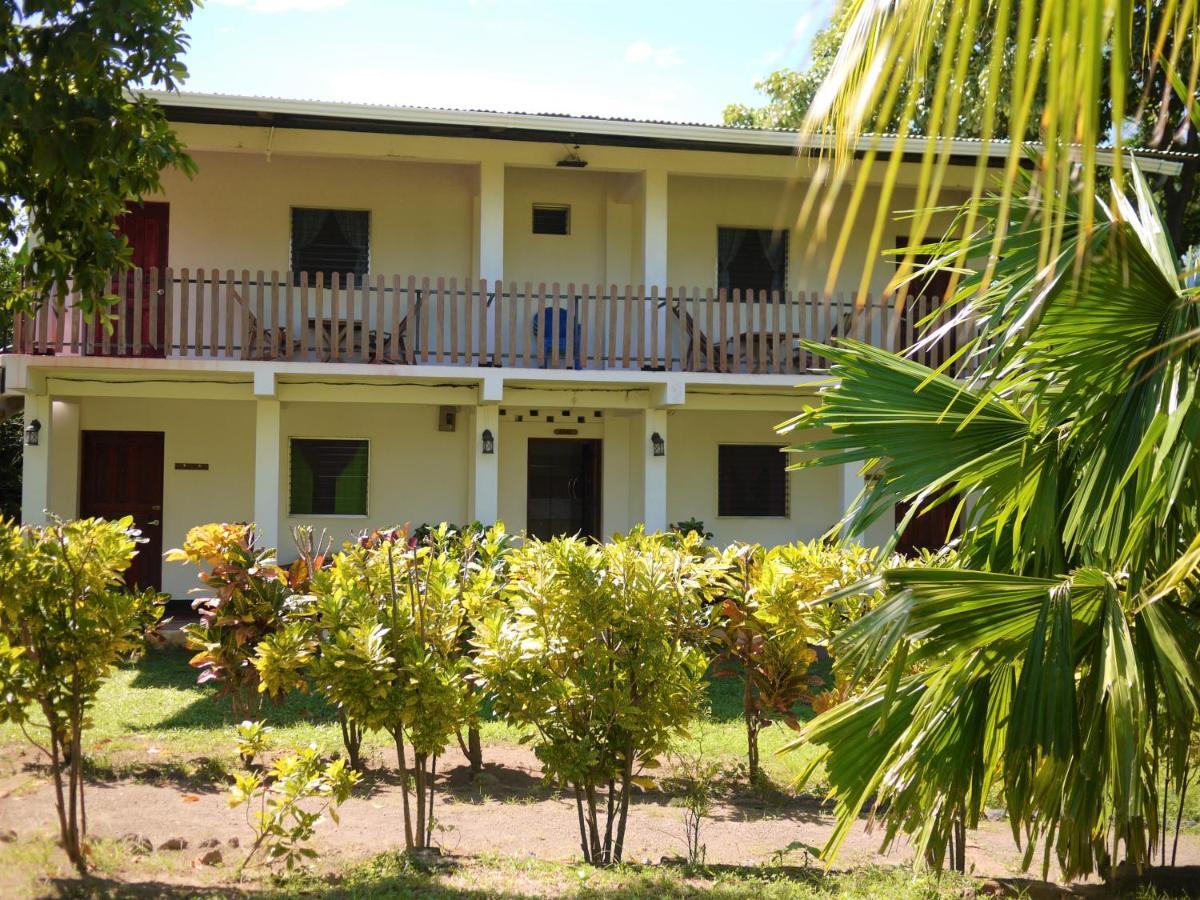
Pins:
x: 122, y: 475
x: 146, y: 227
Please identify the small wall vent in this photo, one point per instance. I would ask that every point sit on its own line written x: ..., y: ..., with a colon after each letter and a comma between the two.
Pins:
x: 551, y: 219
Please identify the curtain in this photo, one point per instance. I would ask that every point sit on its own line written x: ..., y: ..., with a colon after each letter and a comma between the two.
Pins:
x: 729, y: 242
x: 306, y: 225
x: 774, y: 251
x: 355, y: 228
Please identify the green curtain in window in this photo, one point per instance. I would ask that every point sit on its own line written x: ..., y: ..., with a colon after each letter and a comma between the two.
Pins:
x: 350, y: 492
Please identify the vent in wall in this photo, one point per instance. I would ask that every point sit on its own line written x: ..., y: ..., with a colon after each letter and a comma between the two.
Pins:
x: 551, y: 219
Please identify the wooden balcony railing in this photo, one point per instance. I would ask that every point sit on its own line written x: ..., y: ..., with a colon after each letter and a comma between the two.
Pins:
x: 213, y: 314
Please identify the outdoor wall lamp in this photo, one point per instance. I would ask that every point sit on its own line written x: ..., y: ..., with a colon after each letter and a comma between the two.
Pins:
x: 489, y: 442
x: 659, y: 445
x: 31, y: 433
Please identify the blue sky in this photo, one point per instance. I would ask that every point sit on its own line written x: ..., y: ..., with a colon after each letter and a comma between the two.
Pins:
x: 666, y: 59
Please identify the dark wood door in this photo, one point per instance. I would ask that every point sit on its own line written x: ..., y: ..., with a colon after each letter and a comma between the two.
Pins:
x: 928, y: 531
x: 563, y: 494
x: 925, y: 296
x: 122, y: 475
x: 147, y: 228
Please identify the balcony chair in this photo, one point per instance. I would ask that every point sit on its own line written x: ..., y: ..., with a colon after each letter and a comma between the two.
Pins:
x: 559, y: 329
x: 698, y: 341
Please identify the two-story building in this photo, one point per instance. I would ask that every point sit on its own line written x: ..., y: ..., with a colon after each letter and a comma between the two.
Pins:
x: 358, y: 316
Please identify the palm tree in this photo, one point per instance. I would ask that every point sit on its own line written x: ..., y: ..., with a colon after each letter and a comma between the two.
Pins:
x: 1071, y: 74
x: 1059, y: 663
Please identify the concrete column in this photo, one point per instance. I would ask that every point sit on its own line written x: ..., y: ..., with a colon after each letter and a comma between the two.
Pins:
x: 485, y: 476
x: 654, y: 228
x: 654, y: 249
x: 852, y: 485
x: 35, y: 462
x: 267, y: 454
x: 64, y: 458
x: 491, y: 220
x: 654, y: 479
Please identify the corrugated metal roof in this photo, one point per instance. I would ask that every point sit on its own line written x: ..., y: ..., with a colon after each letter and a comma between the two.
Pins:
x: 567, y: 125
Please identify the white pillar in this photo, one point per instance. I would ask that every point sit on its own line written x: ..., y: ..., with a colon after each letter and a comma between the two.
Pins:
x: 654, y: 228
x: 654, y: 479
x: 491, y: 220
x: 64, y: 459
x: 267, y: 446
x: 654, y: 250
x: 852, y: 485
x: 35, y: 462
x: 485, y: 474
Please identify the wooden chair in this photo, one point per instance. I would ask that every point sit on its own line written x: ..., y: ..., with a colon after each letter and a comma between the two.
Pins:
x: 698, y: 344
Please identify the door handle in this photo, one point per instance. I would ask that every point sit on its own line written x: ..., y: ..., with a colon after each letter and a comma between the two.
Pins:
x: 154, y: 522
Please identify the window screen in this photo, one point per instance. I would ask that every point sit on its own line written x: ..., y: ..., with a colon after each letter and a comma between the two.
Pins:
x: 551, y: 219
x: 328, y: 477
x: 752, y: 259
x: 330, y: 240
x: 751, y: 481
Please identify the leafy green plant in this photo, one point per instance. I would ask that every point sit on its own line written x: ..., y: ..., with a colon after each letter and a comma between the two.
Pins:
x: 65, y: 619
x: 597, y: 651
x: 285, y: 804
x: 771, y: 613
x: 694, y: 772
x: 685, y: 526
x: 249, y: 601
x: 389, y: 615
x: 253, y: 738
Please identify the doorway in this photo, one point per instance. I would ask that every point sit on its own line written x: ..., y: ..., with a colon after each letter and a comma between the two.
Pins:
x: 563, y: 493
x: 146, y: 226
x: 122, y: 475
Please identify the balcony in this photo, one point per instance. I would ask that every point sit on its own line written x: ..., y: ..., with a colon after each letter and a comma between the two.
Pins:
x: 210, y: 314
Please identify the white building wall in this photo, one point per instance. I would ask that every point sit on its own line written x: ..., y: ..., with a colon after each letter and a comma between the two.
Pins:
x: 220, y: 434
x: 416, y: 473
x: 236, y: 212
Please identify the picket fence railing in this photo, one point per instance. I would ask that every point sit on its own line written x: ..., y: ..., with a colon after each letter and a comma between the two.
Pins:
x: 221, y: 314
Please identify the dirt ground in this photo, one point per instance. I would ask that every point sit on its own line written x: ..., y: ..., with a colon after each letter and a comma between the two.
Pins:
x: 507, y: 811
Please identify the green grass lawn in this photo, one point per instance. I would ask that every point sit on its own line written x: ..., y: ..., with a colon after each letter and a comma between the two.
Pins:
x: 153, y: 712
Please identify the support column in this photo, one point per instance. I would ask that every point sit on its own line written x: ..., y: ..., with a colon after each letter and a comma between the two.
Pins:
x: 491, y: 220
x: 485, y: 474
x: 654, y: 251
x: 35, y: 462
x: 267, y: 453
x: 654, y: 228
x: 654, y: 479
x: 852, y: 485
x: 64, y: 459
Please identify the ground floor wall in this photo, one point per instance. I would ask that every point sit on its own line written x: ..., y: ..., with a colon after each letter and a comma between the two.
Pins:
x: 422, y: 468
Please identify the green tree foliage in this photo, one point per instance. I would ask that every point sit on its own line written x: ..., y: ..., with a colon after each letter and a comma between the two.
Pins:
x: 11, y: 428
x: 1071, y: 74
x: 770, y: 619
x: 1060, y: 663
x: 381, y: 636
x: 79, y: 139
x: 65, y: 619
x: 598, y: 653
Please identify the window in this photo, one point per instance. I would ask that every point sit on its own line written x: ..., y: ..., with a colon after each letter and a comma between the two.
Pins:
x: 328, y: 477
x: 752, y: 481
x: 752, y: 259
x: 330, y: 240
x: 551, y: 219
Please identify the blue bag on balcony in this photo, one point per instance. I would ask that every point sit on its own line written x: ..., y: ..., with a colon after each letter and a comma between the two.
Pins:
x: 556, y: 330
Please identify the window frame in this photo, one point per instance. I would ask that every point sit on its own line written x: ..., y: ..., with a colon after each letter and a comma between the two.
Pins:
x: 292, y: 514
x: 786, y: 243
x: 359, y: 278
x: 565, y: 208
x: 787, y: 482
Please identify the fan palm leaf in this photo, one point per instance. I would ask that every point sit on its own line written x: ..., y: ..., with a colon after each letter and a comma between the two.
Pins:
x: 1058, y: 660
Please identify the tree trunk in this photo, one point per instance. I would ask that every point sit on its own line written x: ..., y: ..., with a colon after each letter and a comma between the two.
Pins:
x: 583, y: 835
x: 751, y: 731
x: 419, y: 775
x: 352, y: 740
x: 474, y: 750
x: 398, y: 736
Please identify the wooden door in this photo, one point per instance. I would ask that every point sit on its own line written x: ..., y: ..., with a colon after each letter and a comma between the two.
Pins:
x: 925, y: 295
x: 122, y: 475
x: 928, y: 531
x: 563, y: 487
x: 147, y: 228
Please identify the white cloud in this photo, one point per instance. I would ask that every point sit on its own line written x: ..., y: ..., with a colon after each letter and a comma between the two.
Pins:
x: 644, y: 51
x: 274, y: 6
